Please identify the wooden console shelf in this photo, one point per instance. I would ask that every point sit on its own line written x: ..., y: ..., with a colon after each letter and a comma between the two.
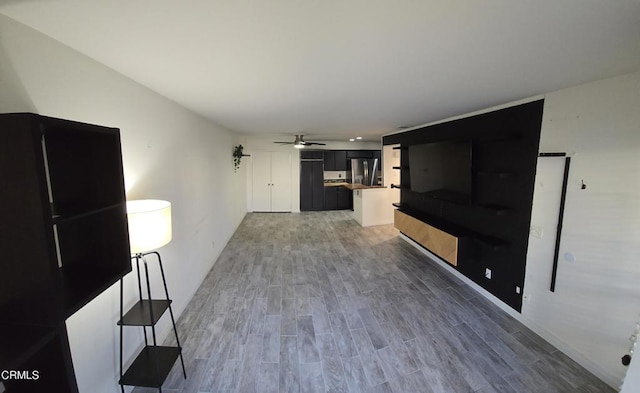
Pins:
x: 437, y: 241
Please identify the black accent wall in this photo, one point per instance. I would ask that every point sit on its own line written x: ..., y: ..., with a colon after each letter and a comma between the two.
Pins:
x: 494, y: 227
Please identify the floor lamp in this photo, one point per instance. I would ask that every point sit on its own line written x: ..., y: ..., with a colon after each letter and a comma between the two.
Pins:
x: 149, y: 229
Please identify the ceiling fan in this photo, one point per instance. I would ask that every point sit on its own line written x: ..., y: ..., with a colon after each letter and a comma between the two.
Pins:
x: 299, y: 142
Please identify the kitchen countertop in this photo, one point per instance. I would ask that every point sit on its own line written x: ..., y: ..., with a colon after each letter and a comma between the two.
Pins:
x: 335, y: 184
x: 358, y: 186
x: 350, y: 186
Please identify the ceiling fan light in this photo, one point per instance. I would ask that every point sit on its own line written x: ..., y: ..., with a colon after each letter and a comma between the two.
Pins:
x: 299, y: 142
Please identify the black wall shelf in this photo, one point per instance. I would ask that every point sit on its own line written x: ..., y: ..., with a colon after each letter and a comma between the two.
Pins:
x: 151, y: 366
x: 496, y: 174
x: 456, y: 230
x: 145, y: 312
x: 497, y: 215
x: 496, y: 209
x: 490, y: 138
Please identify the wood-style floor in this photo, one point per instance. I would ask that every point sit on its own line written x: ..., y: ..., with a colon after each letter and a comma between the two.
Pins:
x: 313, y: 302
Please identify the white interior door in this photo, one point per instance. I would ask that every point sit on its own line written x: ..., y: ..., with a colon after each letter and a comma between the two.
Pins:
x: 261, y: 165
x: 539, y: 300
x: 281, y: 181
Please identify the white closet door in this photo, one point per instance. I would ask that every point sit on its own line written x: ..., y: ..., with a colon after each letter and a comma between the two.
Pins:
x: 261, y: 164
x: 281, y: 180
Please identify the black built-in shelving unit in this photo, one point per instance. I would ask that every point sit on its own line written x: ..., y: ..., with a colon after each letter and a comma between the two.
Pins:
x: 494, y: 227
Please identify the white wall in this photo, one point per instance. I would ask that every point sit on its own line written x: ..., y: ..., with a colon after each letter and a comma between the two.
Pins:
x: 265, y: 143
x: 169, y: 153
x: 595, y: 306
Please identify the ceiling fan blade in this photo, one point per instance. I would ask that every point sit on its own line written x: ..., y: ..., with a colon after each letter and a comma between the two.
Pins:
x: 314, y: 143
x: 284, y: 143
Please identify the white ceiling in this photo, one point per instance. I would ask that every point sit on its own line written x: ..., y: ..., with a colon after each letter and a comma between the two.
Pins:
x: 337, y: 68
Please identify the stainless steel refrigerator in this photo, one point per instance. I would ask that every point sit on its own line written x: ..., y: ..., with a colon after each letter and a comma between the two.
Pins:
x: 364, y: 171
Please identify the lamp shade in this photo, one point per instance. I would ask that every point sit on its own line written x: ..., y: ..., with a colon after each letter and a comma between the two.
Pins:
x: 149, y: 224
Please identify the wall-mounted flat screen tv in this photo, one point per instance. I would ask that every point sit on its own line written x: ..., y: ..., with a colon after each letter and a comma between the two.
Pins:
x: 442, y: 170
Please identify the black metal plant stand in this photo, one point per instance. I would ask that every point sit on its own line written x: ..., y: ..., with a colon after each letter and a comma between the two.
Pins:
x: 152, y: 366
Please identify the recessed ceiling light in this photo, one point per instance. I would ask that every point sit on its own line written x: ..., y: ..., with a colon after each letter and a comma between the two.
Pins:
x: 351, y: 140
x: 358, y: 137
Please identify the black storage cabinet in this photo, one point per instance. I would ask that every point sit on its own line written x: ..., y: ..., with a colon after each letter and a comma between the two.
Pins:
x: 335, y: 160
x: 311, y: 185
x: 63, y: 239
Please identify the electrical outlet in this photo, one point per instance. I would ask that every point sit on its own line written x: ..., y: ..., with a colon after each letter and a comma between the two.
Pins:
x: 213, y: 244
x: 518, y: 290
x: 487, y: 273
x: 536, y: 232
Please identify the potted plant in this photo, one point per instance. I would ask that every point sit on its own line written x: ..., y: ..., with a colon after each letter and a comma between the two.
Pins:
x: 237, y: 156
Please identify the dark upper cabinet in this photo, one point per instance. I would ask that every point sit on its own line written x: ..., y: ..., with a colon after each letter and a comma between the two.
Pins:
x: 335, y: 160
x: 351, y: 154
x: 311, y: 154
x: 341, y: 160
x: 311, y: 186
x: 329, y: 160
x: 360, y: 154
x: 378, y: 154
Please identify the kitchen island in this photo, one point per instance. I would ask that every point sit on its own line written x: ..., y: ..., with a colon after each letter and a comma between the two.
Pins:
x: 371, y: 204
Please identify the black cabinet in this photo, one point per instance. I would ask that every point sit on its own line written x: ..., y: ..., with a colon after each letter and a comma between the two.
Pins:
x: 329, y: 160
x: 335, y: 160
x: 311, y: 154
x: 360, y: 154
x: 337, y: 198
x: 341, y: 160
x: 345, y: 198
x: 331, y: 198
x: 368, y: 154
x: 311, y: 186
x: 64, y: 238
x: 378, y: 154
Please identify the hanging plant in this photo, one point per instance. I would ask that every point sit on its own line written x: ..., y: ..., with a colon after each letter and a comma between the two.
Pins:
x: 237, y: 156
